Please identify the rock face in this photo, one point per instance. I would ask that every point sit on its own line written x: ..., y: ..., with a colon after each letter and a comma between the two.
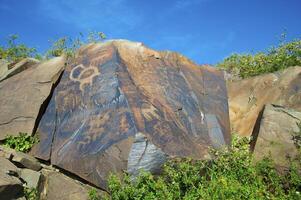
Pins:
x: 121, y: 106
x: 22, y: 96
x: 19, y: 67
x: 274, y: 134
x: 248, y: 97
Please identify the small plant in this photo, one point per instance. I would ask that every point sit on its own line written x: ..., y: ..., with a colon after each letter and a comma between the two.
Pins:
x: 22, y: 143
x: 93, y: 194
x: 68, y: 46
x: 30, y: 193
x: 14, y: 52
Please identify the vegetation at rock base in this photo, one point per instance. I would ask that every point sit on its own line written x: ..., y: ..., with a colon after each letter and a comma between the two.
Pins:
x: 23, y: 142
x: 232, y: 174
x: 14, y: 52
x: 93, y: 194
x: 30, y: 193
x: 286, y: 54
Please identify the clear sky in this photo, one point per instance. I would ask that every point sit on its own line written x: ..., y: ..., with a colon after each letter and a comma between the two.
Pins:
x: 206, y: 31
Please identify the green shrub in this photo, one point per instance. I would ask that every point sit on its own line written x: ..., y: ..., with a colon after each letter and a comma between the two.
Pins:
x: 93, y: 194
x: 276, y: 58
x: 22, y: 143
x: 68, y: 46
x: 30, y: 193
x: 231, y: 174
x: 14, y: 52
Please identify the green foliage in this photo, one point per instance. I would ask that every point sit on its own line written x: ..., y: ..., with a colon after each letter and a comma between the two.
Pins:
x: 93, y: 194
x: 231, y: 174
x: 22, y: 143
x: 68, y: 46
x: 30, y: 193
x: 14, y: 52
x: 276, y: 58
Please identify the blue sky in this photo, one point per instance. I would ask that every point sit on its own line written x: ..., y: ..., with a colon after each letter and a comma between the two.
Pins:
x: 206, y: 31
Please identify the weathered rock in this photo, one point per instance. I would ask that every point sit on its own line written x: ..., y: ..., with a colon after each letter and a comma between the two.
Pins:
x: 20, y: 158
x: 121, y: 106
x: 58, y: 186
x: 19, y: 67
x: 10, y: 186
x: 3, y: 67
x: 22, y: 96
x: 247, y: 97
x: 274, y: 133
x: 32, y: 178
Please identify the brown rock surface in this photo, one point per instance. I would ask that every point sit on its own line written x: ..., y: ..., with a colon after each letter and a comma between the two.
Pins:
x: 23, y: 94
x: 19, y: 67
x: 20, y: 158
x: 10, y: 186
x: 58, y: 186
x: 274, y: 133
x: 121, y: 106
x: 247, y: 97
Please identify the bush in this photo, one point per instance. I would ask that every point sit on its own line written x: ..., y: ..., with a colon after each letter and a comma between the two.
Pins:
x: 14, y: 52
x: 22, y: 143
x: 93, y: 194
x: 232, y: 174
x: 276, y: 58
x: 68, y: 46
x: 31, y: 193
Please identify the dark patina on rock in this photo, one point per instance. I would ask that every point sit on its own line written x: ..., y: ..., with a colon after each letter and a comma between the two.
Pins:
x: 121, y: 107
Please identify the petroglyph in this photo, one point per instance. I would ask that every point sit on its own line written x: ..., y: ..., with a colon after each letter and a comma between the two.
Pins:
x: 86, y: 75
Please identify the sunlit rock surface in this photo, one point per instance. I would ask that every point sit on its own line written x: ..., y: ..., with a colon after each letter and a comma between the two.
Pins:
x: 25, y: 94
x: 248, y: 97
x: 122, y: 107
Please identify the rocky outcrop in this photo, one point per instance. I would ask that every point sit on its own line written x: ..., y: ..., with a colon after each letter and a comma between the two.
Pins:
x: 121, y: 107
x: 274, y: 135
x: 24, y: 96
x: 248, y: 97
x: 49, y: 182
x: 18, y: 67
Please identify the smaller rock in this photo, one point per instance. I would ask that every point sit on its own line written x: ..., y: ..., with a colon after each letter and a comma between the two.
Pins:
x: 32, y: 178
x: 59, y: 186
x: 19, y: 67
x: 20, y: 158
x: 274, y: 135
x: 10, y: 186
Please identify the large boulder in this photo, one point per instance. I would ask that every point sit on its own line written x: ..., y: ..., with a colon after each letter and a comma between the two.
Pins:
x: 274, y: 135
x: 248, y: 97
x: 24, y: 96
x: 123, y: 107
